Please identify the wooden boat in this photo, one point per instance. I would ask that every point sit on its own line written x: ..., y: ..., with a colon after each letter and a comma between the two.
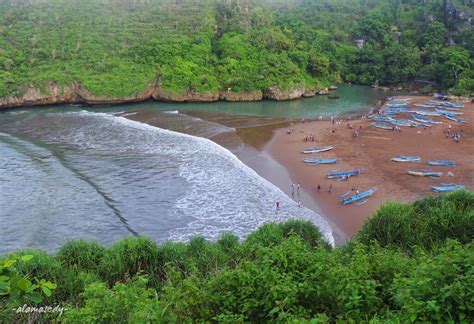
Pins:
x: 447, y: 188
x: 441, y: 163
x: 425, y: 173
x: 310, y: 150
x: 406, y: 158
x: 360, y: 196
x: 344, y: 174
x: 449, y: 112
x: 319, y: 160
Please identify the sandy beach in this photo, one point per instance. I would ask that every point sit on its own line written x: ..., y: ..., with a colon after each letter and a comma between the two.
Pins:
x: 372, y: 151
x: 264, y: 145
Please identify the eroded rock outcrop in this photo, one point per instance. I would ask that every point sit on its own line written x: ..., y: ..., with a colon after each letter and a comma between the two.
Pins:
x: 274, y: 93
x: 88, y: 98
x: 324, y: 91
x: 52, y: 94
x: 188, y: 96
x: 241, y: 96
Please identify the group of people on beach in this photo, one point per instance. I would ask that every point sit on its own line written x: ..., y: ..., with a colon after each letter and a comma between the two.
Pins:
x: 309, y: 138
x: 456, y: 136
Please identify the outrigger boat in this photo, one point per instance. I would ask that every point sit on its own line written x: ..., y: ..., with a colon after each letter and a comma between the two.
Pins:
x: 447, y: 188
x: 442, y: 163
x: 309, y: 150
x: 406, y: 158
x: 425, y: 173
x: 318, y: 160
x: 344, y: 174
x: 450, y: 112
x: 360, y: 196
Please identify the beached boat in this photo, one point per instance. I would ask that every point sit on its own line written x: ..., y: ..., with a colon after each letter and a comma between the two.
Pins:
x: 442, y: 163
x: 382, y: 118
x: 360, y: 196
x: 406, y: 158
x: 363, y: 202
x: 401, y: 122
x: 425, y: 112
x: 443, y: 111
x: 382, y: 125
x: 318, y: 160
x: 424, y: 105
x: 344, y: 174
x: 425, y: 173
x: 309, y: 150
x: 447, y: 188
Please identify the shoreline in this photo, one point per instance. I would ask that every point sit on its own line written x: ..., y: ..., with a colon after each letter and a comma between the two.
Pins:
x: 258, y: 139
x: 371, y: 151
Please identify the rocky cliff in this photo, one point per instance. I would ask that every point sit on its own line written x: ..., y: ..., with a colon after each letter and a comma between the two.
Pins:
x: 274, y: 93
x: 75, y: 93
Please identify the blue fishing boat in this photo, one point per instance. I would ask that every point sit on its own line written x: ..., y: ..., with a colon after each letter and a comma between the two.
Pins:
x: 360, y: 196
x: 450, y: 112
x: 425, y: 173
x: 442, y: 163
x: 309, y: 150
x: 447, y: 188
x: 425, y: 113
x: 318, y: 160
x: 406, y: 158
x: 344, y: 174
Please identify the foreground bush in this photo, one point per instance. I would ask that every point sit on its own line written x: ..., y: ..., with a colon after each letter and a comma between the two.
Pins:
x: 427, y: 223
x: 280, y: 273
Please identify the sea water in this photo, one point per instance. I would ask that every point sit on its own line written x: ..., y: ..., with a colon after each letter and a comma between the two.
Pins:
x: 68, y: 173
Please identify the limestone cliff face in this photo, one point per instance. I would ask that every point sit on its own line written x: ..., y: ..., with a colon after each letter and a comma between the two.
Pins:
x: 33, y: 96
x: 310, y: 92
x: 241, y: 96
x: 188, y: 96
x: 88, y: 98
x: 274, y: 93
x: 75, y: 93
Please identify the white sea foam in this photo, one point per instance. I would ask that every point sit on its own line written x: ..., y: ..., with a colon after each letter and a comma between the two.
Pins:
x: 223, y: 194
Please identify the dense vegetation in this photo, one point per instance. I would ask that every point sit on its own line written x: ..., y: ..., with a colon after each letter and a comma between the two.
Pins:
x: 409, y: 263
x: 118, y: 47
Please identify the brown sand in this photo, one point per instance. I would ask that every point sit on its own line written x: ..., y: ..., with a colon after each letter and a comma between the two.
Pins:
x: 372, y: 151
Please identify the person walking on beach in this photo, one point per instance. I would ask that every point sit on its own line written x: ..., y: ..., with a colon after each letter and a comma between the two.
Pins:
x: 330, y: 188
x: 298, y: 190
x: 293, y: 190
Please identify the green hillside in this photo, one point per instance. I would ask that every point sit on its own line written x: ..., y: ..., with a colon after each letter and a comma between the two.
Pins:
x: 118, y: 47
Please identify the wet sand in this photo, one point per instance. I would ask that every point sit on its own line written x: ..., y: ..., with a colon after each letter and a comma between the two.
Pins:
x: 372, y: 151
x: 264, y: 145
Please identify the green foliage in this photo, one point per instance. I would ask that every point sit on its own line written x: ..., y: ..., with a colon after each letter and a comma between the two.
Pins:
x: 426, y: 223
x: 118, y: 48
x: 410, y: 263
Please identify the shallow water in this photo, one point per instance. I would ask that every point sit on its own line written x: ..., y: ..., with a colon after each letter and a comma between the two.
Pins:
x: 69, y: 173
x: 354, y: 99
x: 86, y: 175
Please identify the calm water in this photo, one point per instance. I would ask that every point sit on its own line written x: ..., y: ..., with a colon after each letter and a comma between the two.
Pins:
x: 353, y: 99
x: 74, y: 173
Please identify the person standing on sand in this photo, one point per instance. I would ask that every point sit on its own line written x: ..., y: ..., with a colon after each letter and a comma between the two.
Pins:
x: 330, y: 188
x: 298, y: 190
x: 293, y: 190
